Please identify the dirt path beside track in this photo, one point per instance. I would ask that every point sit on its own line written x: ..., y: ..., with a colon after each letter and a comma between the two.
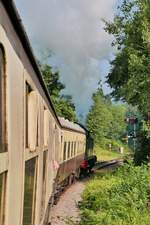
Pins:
x: 67, y: 209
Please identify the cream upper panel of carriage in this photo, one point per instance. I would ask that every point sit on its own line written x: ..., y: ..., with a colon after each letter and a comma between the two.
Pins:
x: 72, y: 131
x: 21, y: 76
x: 73, y: 135
x: 73, y: 144
x: 70, y: 125
x: 41, y: 126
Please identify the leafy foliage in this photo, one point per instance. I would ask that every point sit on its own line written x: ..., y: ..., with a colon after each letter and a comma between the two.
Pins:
x: 63, y: 103
x: 51, y: 79
x: 129, y: 76
x: 98, y: 118
x: 105, y: 120
x: 120, y: 198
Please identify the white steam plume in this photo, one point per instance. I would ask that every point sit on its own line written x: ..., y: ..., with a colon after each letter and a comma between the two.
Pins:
x: 73, y: 31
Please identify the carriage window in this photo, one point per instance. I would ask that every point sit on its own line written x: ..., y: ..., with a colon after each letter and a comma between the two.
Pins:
x: 46, y: 127
x: 72, y: 149
x: 2, y: 197
x: 44, y: 183
x: 81, y: 149
x: 68, y: 150
x: 30, y: 191
x: 28, y: 90
x: 37, y: 133
x: 83, y: 146
x: 3, y: 142
x: 78, y: 145
x: 37, y: 127
x: 65, y: 148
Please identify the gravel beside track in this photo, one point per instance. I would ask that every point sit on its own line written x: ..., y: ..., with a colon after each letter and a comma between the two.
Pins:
x: 66, y: 209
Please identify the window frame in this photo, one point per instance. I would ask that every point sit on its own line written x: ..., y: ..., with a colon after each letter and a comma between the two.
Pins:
x: 3, y: 102
x: 68, y: 152
x: 3, y: 198
x: 44, y: 183
x: 64, y: 151
x: 35, y: 187
x: 4, y: 131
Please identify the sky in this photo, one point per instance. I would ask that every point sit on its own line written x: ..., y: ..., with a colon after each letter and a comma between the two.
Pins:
x: 72, y: 33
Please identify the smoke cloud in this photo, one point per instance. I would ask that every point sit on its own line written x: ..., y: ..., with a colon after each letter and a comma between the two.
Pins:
x: 73, y: 31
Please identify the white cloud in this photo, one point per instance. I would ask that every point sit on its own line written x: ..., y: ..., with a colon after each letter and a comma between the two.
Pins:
x: 73, y: 30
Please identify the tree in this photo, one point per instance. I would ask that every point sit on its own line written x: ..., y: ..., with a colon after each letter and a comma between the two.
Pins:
x: 129, y: 76
x: 98, y: 118
x: 65, y: 107
x: 117, y: 130
x: 105, y: 120
x: 51, y: 79
x: 63, y: 104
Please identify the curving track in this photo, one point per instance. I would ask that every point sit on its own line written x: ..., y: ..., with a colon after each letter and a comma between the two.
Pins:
x: 67, y: 207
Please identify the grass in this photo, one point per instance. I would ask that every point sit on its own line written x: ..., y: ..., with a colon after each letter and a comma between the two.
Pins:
x: 117, y: 198
x: 104, y: 155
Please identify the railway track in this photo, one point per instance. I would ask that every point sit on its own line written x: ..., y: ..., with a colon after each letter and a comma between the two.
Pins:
x: 105, y: 164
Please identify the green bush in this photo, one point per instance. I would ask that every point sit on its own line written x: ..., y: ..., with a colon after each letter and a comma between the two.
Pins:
x: 120, y: 198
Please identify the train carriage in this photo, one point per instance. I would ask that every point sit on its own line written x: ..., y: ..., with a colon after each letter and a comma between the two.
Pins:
x: 38, y: 150
x: 73, y: 149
